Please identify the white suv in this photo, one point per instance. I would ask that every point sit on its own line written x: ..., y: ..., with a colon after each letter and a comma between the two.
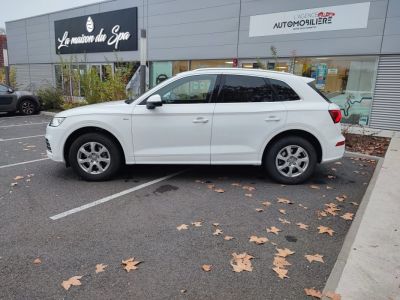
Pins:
x: 207, y: 116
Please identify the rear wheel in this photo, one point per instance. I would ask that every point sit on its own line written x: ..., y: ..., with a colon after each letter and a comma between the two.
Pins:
x: 28, y: 107
x: 291, y: 160
x: 95, y: 157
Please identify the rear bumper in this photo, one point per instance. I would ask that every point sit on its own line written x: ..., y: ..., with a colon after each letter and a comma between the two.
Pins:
x: 334, y: 152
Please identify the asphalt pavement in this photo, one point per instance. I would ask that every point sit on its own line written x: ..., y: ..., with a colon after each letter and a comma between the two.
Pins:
x: 99, y: 224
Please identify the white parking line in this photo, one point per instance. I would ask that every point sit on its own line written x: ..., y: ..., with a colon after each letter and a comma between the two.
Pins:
x: 23, y: 163
x: 111, y: 197
x: 22, y: 138
x: 25, y: 124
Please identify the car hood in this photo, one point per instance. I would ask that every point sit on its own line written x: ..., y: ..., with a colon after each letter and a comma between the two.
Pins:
x: 112, y: 107
x: 23, y: 93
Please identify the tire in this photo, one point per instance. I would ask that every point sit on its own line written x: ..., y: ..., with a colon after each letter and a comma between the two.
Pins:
x: 28, y: 107
x: 293, y: 168
x: 100, y: 157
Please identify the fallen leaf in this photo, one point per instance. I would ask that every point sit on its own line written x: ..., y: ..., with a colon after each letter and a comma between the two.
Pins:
x: 338, y: 163
x: 235, y: 184
x: 197, y: 224
x: 329, y: 187
x: 331, y: 211
x: 301, y: 205
x: 280, y: 262
x: 37, y: 261
x: 313, y: 293
x: 323, y: 229
x: 241, y: 262
x: 100, y: 268
x: 217, y: 231
x: 331, y: 176
x: 322, y: 214
x: 206, y: 268
x: 282, y: 211
x: 199, y: 181
x: 282, y: 273
x: 19, y: 177
x: 211, y: 186
x: 315, y: 257
x: 284, y: 221
x: 249, y: 195
x: 284, y: 200
x: 266, y: 203
x: 347, y: 216
x: 228, y: 238
x: 219, y: 191
x: 182, y: 227
x: 333, y: 296
x: 273, y: 229
x: 248, y: 188
x: 75, y: 280
x: 315, y: 187
x: 130, y: 264
x: 14, y: 184
x: 354, y: 203
x: 215, y: 224
x: 258, y: 240
x: 284, y: 252
x: 302, y: 226
x: 259, y: 210
x: 183, y: 291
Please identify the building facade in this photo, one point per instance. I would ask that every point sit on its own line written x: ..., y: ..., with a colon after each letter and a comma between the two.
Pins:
x: 350, y: 47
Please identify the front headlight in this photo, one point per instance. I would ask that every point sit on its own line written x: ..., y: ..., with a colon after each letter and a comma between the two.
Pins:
x: 55, y: 122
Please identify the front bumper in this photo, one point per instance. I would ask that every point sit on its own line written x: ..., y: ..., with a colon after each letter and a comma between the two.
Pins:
x: 54, y: 144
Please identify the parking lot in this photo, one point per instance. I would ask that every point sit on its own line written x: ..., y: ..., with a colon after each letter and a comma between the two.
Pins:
x: 48, y: 213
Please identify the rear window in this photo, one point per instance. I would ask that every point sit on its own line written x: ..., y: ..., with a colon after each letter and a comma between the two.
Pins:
x: 283, y: 91
x: 312, y: 85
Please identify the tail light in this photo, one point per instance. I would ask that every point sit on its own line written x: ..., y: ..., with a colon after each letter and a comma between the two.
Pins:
x: 336, y: 115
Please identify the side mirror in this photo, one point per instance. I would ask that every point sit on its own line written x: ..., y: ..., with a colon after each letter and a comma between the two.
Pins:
x: 153, y: 101
x: 10, y: 90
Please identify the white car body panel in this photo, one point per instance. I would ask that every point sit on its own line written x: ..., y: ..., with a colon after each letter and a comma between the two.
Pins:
x: 234, y: 133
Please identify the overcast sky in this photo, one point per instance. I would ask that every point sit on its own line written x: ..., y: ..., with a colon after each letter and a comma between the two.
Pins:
x: 18, y: 9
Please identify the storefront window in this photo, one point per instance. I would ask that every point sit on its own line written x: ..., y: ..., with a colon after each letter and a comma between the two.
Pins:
x: 214, y: 63
x: 160, y: 71
x: 280, y: 65
x: 346, y: 81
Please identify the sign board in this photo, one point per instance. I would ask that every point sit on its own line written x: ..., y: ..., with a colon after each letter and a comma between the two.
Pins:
x: 349, y: 16
x: 104, y: 32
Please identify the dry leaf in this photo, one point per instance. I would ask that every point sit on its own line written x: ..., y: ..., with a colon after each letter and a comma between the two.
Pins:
x: 130, y: 264
x: 347, y: 216
x: 248, y: 188
x: 333, y: 296
x: 315, y: 257
x: 249, y: 195
x: 354, y: 203
x: 215, y: 224
x: 315, y: 187
x: 280, y: 262
x: 183, y: 291
x: 217, y: 231
x: 199, y: 181
x: 329, y: 187
x: 258, y: 240
x: 266, y: 203
x: 206, y: 268
x: 241, y: 262
x: 301, y: 205
x: 331, y: 176
x: 259, y: 210
x: 75, y: 280
x: 331, y: 211
x: 19, y: 177
x: 37, y: 261
x: 338, y: 163
x: 235, y: 184
x: 282, y: 273
x: 228, y: 238
x: 302, y: 226
x: 211, y: 186
x: 14, y: 184
x: 282, y: 211
x: 313, y: 293
x: 284, y: 252
x: 284, y: 200
x: 284, y: 221
x: 182, y: 227
x: 273, y: 229
x: 197, y: 224
x: 219, y: 191
x: 100, y: 268
x: 323, y: 229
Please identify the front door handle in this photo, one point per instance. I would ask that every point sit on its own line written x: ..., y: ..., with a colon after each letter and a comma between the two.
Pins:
x: 272, y: 119
x: 200, y: 120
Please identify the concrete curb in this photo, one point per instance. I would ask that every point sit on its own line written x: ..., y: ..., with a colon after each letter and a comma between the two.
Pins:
x: 48, y: 113
x: 336, y: 273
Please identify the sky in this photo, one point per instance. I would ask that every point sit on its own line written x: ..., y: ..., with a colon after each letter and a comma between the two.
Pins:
x: 18, y: 9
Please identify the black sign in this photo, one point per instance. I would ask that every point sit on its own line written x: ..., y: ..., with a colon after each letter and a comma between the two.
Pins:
x: 105, y: 32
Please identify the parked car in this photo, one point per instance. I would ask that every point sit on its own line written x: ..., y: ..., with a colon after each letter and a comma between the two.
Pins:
x: 207, y: 116
x: 23, y: 101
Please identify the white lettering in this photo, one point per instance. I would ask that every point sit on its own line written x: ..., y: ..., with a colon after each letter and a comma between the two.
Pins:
x: 117, y: 37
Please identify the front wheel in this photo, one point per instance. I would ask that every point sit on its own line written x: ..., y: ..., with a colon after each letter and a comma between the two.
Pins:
x: 95, y: 157
x: 28, y: 107
x: 291, y: 160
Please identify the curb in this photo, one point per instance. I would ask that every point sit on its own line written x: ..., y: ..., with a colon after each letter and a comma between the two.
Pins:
x: 336, y: 273
x: 48, y: 113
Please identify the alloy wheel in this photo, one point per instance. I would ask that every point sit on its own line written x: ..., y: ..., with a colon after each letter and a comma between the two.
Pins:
x: 94, y: 158
x: 292, y: 161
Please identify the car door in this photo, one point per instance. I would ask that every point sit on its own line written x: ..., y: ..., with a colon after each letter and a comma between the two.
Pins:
x: 7, y: 99
x: 245, y: 116
x: 179, y: 131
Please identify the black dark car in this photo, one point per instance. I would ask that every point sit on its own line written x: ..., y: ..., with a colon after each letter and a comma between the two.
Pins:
x: 23, y: 101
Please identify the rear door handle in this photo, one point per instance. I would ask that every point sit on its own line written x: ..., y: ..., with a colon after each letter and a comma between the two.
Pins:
x: 272, y: 119
x: 200, y: 120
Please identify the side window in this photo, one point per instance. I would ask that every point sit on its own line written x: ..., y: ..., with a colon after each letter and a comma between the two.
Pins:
x: 3, y: 89
x: 283, y: 91
x: 239, y: 88
x: 193, y: 89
